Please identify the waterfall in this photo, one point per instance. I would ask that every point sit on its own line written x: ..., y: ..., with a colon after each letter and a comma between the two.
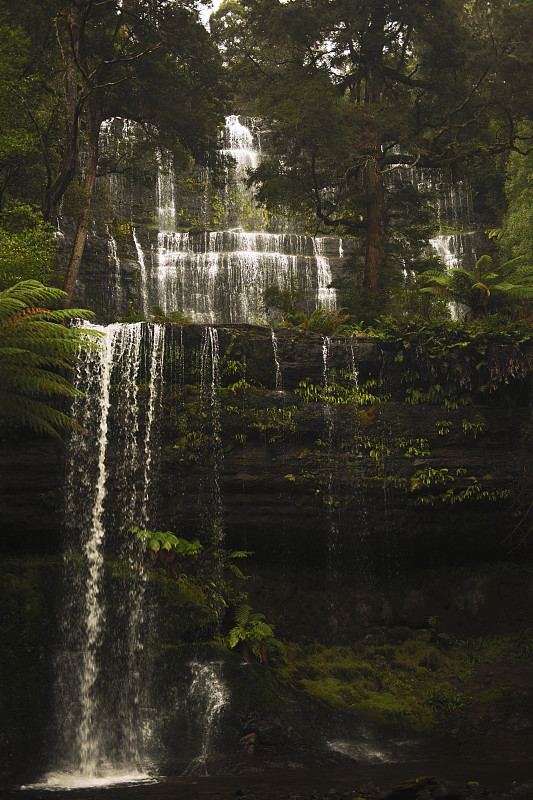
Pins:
x: 143, y: 276
x: 456, y: 242
x: 221, y: 275
x: 210, y: 497
x: 102, y: 717
x: 114, y: 263
x: 165, y: 193
x: 353, y: 366
x: 455, y: 245
x: 116, y: 146
x: 327, y: 297
x: 279, y: 376
x: 208, y: 692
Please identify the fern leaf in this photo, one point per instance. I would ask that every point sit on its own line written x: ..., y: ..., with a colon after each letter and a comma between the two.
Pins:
x: 237, y: 572
x: 34, y: 343
x: 242, y: 614
x: 234, y: 636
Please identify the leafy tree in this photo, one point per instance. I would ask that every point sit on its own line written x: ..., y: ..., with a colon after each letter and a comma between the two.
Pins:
x: 35, y: 347
x: 148, y: 61
x: 27, y: 245
x: 358, y: 92
x: 516, y: 237
x: 29, y: 107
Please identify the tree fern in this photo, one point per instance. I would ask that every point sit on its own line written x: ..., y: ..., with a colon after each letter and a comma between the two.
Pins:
x: 35, y: 346
x: 513, y: 279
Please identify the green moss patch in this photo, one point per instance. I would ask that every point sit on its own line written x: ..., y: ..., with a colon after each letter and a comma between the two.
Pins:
x: 421, y: 684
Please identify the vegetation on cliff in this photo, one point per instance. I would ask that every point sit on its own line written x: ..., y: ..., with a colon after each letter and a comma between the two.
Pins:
x: 35, y: 346
x: 359, y: 93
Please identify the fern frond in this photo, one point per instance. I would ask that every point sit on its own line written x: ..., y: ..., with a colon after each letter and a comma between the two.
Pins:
x: 37, y: 415
x: 235, y: 635
x: 262, y: 630
x: 242, y: 614
x: 34, y: 381
x: 237, y: 572
x: 33, y: 293
x: 240, y: 554
x: 35, y: 343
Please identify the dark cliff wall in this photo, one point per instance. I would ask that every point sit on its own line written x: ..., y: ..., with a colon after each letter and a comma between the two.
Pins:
x: 364, y: 478
x: 381, y: 530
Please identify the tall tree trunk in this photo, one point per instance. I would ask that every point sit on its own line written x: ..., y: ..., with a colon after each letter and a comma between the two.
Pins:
x: 372, y: 56
x: 375, y: 224
x: 70, y: 43
x: 94, y: 121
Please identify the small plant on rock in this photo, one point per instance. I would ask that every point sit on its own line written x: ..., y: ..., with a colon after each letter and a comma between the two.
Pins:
x: 256, y: 635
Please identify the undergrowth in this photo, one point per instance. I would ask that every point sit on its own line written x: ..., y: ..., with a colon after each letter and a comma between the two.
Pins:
x: 418, y: 684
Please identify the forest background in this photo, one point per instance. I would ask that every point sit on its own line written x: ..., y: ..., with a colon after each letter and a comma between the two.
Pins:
x: 351, y: 94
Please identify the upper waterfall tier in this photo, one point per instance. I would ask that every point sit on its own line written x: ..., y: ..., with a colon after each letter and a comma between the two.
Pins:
x: 200, y: 244
x: 213, y: 250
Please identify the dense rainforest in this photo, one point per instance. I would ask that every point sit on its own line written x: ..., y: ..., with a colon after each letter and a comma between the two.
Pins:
x: 353, y: 94
x: 266, y: 352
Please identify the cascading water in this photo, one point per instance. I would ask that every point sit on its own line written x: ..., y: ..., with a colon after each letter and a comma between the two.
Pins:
x: 279, y: 376
x: 456, y: 247
x: 456, y: 243
x: 333, y: 531
x: 220, y: 276
x: 143, y: 275
x: 208, y: 692
x: 210, y: 497
x: 165, y: 193
x: 114, y: 263
x: 103, y: 715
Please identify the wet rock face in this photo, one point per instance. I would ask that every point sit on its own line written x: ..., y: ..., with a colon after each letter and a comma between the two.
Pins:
x: 364, y: 479
x: 30, y: 494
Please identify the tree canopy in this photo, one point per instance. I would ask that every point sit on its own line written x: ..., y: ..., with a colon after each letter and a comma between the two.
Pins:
x: 74, y: 63
x: 358, y: 91
x: 355, y: 97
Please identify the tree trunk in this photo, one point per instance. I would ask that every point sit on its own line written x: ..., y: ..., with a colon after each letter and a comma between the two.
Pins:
x: 94, y: 121
x: 375, y: 224
x: 372, y: 56
x: 71, y: 47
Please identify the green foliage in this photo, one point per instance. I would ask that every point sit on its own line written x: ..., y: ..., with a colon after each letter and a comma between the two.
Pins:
x: 159, y: 315
x: 516, y: 237
x: 486, y: 288
x: 418, y: 684
x: 321, y: 320
x: 474, y: 426
x: 341, y: 390
x: 27, y: 246
x: 212, y: 579
x: 35, y: 347
x: 456, y: 364
x: 327, y: 323
x: 256, y: 635
x: 429, y: 476
x: 157, y: 540
x: 287, y: 300
x: 207, y: 575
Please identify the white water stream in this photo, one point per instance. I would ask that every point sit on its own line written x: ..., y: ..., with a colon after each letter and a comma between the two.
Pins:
x: 207, y: 273
x: 102, y: 699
